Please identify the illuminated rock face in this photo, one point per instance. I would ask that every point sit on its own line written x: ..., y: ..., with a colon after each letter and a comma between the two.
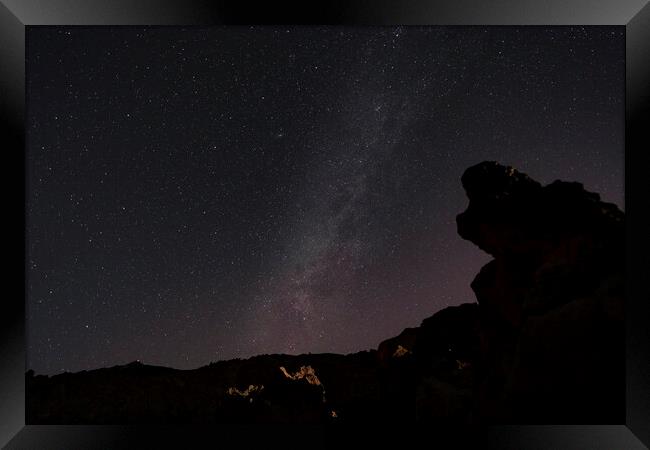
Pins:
x: 306, y: 372
x: 399, y: 346
x: 251, y: 389
x: 400, y: 351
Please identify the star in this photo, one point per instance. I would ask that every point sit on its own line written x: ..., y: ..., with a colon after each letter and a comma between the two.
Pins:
x: 202, y: 193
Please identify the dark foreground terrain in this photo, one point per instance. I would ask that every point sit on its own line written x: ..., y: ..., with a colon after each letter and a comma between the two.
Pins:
x: 544, y: 343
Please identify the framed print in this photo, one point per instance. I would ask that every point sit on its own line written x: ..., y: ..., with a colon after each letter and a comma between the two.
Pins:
x: 246, y: 223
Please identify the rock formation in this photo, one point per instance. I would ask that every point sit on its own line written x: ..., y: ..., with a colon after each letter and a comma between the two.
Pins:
x: 550, y: 302
x: 544, y: 343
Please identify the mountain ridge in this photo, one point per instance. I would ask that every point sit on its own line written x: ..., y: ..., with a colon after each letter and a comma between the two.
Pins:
x: 542, y: 344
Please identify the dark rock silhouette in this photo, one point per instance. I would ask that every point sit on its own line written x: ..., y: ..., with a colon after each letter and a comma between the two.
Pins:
x: 544, y: 343
x: 551, y: 301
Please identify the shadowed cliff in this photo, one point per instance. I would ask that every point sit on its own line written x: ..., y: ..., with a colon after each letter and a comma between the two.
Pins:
x: 544, y: 343
x: 550, y: 302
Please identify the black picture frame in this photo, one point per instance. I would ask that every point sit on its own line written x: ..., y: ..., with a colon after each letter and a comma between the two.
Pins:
x: 16, y: 15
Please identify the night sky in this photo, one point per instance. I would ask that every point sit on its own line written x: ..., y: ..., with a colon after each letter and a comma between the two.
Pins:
x: 209, y: 193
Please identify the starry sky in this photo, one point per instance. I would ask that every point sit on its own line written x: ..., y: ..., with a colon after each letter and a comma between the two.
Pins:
x: 200, y: 194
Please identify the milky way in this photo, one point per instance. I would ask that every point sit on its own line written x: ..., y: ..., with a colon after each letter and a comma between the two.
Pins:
x: 208, y: 193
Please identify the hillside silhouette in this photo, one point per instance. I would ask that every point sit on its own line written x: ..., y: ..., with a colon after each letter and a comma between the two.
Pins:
x: 543, y: 343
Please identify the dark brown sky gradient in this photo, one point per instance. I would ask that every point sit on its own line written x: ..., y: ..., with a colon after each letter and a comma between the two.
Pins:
x: 208, y: 193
